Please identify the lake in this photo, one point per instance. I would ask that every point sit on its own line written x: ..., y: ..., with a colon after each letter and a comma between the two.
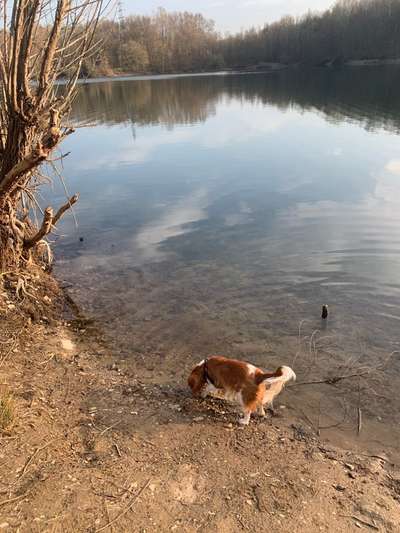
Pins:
x: 218, y: 213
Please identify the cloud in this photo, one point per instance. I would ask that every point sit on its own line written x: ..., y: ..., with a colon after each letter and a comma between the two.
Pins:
x: 393, y: 167
x: 128, y: 151
x: 172, y: 223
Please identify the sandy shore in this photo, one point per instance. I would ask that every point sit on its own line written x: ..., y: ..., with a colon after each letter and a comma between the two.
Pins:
x: 93, y: 447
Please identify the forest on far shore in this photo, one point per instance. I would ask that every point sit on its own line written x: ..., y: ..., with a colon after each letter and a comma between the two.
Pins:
x: 186, y: 42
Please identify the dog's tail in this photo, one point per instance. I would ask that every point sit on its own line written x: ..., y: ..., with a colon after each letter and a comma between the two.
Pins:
x: 282, y: 374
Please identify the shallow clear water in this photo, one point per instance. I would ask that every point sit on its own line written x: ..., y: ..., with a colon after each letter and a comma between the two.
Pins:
x: 218, y: 213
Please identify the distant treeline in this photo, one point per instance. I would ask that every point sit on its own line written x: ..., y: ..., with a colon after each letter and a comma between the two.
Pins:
x: 161, y: 43
x: 186, y: 42
x: 351, y: 29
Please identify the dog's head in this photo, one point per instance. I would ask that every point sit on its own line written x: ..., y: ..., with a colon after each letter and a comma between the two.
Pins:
x: 196, y: 379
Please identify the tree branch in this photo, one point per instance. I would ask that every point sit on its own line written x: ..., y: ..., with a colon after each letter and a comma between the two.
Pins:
x: 45, y: 228
x: 21, y: 168
x: 64, y: 208
x: 25, y: 54
x: 52, y: 46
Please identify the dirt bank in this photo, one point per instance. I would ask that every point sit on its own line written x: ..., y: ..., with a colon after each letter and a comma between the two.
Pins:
x: 95, y: 447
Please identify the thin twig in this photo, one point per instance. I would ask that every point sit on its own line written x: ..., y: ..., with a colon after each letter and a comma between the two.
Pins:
x: 373, y: 456
x: 68, y: 205
x: 108, y: 515
x: 359, y: 425
x: 128, y: 508
x: 117, y: 449
x: 319, y: 418
x: 360, y: 373
x: 108, y: 428
x: 47, y: 360
x: 334, y: 379
x: 11, y: 500
x: 369, y: 524
x: 36, y: 452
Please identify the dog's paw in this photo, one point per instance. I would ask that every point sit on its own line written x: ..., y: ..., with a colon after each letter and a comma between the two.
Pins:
x: 244, y: 421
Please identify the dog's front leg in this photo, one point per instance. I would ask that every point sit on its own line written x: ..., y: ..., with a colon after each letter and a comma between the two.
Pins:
x: 204, y: 393
x: 270, y: 407
x: 244, y: 421
x: 260, y: 410
x: 209, y: 389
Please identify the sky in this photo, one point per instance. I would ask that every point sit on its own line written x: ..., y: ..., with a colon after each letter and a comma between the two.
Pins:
x: 231, y: 15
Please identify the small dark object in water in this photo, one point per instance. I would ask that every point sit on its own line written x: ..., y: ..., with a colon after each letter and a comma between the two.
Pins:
x: 80, y: 239
x: 324, y: 311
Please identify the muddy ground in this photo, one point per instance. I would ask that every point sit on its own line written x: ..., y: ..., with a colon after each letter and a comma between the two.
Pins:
x: 96, y: 446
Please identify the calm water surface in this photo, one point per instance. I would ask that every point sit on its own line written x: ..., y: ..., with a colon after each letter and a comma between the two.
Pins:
x: 220, y: 212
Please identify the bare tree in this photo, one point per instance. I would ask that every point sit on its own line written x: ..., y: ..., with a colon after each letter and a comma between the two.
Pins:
x: 40, y: 40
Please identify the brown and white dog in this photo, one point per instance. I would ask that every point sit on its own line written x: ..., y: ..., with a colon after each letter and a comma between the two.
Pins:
x: 238, y: 381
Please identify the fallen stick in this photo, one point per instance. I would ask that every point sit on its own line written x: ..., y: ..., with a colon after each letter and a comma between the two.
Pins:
x: 369, y: 524
x: 335, y: 379
x: 122, y: 513
x: 11, y: 500
x: 373, y: 456
x: 36, y: 452
x: 47, y: 360
x: 107, y: 429
x: 359, y: 421
x: 332, y: 380
x: 108, y: 515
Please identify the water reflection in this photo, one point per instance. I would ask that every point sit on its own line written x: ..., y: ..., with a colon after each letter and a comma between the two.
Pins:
x: 368, y: 96
x: 232, y: 210
x: 172, y: 223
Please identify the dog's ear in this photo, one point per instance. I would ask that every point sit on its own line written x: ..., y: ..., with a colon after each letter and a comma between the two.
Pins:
x: 196, y: 380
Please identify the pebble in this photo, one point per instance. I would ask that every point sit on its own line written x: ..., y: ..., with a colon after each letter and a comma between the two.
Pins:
x: 340, y: 488
x: 349, y: 466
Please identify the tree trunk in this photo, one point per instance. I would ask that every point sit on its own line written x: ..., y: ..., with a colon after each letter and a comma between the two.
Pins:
x: 33, y: 47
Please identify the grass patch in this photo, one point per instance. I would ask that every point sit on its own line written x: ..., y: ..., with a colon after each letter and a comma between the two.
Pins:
x: 7, y: 411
